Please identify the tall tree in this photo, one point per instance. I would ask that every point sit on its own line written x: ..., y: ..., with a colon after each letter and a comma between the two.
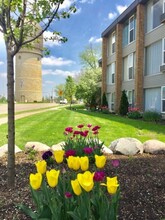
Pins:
x: 90, y: 76
x: 70, y: 89
x: 19, y: 21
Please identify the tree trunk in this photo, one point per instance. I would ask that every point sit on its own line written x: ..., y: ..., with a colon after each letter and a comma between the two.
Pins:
x: 11, y: 122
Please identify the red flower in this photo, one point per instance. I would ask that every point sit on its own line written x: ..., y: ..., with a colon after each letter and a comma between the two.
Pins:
x: 98, y: 176
x: 95, y: 132
x: 95, y: 128
x: 89, y: 125
x: 88, y: 150
x: 69, y: 129
x: 115, y: 163
x: 68, y: 195
x: 70, y: 152
x: 76, y: 133
x: 80, y: 126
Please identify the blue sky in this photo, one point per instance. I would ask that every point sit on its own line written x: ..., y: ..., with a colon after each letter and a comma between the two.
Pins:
x: 82, y: 29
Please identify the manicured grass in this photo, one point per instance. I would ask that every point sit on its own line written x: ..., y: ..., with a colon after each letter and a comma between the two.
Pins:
x: 48, y: 127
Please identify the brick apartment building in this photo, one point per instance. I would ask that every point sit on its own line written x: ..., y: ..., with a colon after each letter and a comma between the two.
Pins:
x: 133, y: 57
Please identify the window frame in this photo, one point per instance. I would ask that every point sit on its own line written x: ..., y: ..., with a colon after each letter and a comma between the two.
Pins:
x: 130, y: 64
x: 130, y: 97
x: 112, y: 101
x: 163, y: 6
x: 163, y: 51
x: 131, y: 29
x: 113, y: 42
x: 162, y: 99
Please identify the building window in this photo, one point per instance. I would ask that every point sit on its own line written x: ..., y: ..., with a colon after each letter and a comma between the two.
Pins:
x: 131, y: 29
x: 163, y: 98
x: 112, y: 102
x: 156, y: 11
x: 130, y: 98
x: 164, y: 6
x: 113, y: 73
x: 113, y: 43
x: 153, y: 58
x: 130, y: 66
x: 163, y: 51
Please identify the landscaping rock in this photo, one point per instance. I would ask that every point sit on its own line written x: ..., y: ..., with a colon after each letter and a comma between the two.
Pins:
x: 58, y: 146
x: 4, y: 150
x: 36, y: 146
x: 106, y: 150
x: 154, y: 146
x: 126, y: 146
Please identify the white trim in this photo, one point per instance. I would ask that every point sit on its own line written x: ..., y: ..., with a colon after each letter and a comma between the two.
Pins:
x: 163, y: 51
x: 113, y: 42
x: 113, y: 72
x: 164, y: 6
x: 131, y: 28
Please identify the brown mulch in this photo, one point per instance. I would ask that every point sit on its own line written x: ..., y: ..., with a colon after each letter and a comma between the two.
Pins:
x: 141, y: 177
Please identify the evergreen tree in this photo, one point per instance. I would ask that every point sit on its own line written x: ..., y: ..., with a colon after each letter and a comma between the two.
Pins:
x: 124, y: 104
x: 104, y: 100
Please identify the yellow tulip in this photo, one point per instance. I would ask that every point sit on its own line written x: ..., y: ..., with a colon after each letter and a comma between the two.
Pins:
x: 52, y: 177
x: 112, y: 185
x: 73, y: 162
x: 41, y: 166
x: 59, y: 155
x: 35, y: 180
x: 86, y: 180
x: 100, y: 161
x: 84, y: 163
x: 76, y: 187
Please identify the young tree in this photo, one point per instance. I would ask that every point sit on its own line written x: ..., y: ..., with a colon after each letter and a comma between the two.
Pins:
x: 123, y: 109
x: 19, y: 21
x: 90, y: 75
x: 59, y: 90
x: 70, y: 89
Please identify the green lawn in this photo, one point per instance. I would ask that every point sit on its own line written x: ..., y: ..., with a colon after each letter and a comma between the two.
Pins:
x: 48, y: 127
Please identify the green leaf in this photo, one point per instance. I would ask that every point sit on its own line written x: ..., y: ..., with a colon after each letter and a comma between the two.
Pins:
x: 28, y: 211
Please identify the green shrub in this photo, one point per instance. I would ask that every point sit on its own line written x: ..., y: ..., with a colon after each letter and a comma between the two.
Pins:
x: 123, y: 109
x: 152, y: 116
x: 134, y: 113
x: 104, y: 100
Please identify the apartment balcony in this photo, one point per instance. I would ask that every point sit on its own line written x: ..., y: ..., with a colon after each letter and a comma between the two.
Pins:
x: 162, y: 18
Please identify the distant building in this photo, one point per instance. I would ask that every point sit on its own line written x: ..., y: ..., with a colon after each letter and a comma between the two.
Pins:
x: 133, y: 57
x: 28, y: 69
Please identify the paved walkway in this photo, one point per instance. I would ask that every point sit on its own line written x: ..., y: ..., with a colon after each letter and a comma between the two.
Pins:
x: 22, y: 115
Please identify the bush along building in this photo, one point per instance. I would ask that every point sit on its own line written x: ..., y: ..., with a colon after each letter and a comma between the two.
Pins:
x: 133, y: 57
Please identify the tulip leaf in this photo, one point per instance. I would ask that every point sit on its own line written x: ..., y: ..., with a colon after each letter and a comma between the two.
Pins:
x: 28, y: 211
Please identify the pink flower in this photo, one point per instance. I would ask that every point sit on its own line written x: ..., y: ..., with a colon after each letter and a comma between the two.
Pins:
x: 69, y: 129
x: 80, y: 126
x: 88, y: 150
x: 115, y: 163
x: 89, y: 125
x: 70, y: 152
x: 98, y: 176
x: 68, y: 195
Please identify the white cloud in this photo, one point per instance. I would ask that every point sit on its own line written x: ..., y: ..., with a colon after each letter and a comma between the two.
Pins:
x: 48, y: 82
x: 87, y: 1
x: 3, y: 75
x: 48, y: 42
x: 58, y: 72
x: 95, y: 40
x: 111, y: 15
x: 54, y: 61
x: 121, y: 8
x: 67, y: 4
x: 1, y: 62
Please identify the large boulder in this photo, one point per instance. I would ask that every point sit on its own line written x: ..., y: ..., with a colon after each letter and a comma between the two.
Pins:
x: 154, y: 147
x: 58, y: 146
x: 4, y: 150
x: 126, y: 146
x: 36, y: 146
